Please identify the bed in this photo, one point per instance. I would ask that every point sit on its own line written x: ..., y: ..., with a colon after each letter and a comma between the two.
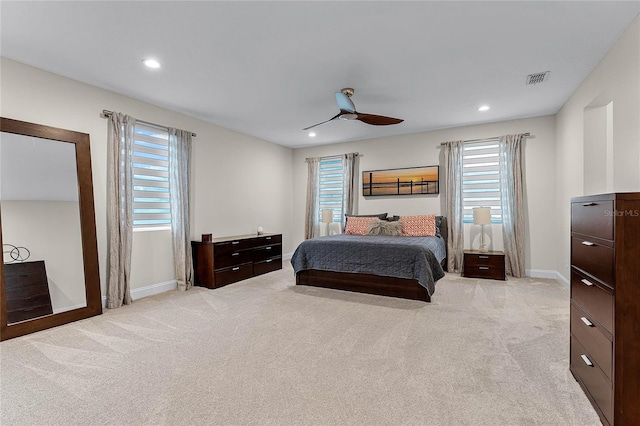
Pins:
x: 365, y: 264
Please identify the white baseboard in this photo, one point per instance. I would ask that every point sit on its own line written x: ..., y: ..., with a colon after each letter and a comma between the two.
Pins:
x: 562, y: 280
x: 553, y: 275
x: 149, y: 290
x: 541, y: 273
x: 287, y: 256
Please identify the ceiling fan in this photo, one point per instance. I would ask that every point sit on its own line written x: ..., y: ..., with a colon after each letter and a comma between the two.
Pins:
x: 348, y: 112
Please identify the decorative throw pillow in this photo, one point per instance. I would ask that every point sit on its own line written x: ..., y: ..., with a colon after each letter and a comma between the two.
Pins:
x: 379, y: 227
x: 381, y: 216
x: 358, y: 225
x: 419, y: 226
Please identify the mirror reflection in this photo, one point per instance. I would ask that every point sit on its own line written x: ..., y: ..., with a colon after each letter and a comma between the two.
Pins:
x: 41, y: 233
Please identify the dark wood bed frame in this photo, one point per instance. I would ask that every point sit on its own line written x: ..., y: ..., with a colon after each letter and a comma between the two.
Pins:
x: 367, y: 283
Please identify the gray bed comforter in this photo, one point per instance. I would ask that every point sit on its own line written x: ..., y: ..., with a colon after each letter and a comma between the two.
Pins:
x: 401, y: 257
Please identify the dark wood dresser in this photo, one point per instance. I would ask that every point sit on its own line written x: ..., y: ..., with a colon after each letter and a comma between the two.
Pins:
x: 227, y: 260
x: 605, y: 303
x: 27, y: 291
x: 479, y: 264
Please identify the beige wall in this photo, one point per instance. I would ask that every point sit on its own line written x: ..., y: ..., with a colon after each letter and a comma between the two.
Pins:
x: 615, y: 81
x: 422, y: 149
x: 239, y: 182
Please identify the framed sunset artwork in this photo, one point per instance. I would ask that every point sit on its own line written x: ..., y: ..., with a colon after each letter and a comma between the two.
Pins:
x: 408, y: 181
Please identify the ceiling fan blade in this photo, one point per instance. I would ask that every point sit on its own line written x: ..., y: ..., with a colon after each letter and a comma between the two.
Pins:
x: 331, y: 119
x: 377, y: 120
x: 345, y: 103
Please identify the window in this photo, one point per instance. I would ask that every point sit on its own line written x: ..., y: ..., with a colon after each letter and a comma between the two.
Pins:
x: 150, y: 161
x: 481, y: 179
x: 331, y: 187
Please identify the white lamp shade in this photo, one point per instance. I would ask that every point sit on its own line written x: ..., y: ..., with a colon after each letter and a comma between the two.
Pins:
x: 327, y: 216
x: 482, y: 216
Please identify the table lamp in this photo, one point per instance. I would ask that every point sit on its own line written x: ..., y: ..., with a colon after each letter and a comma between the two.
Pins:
x: 327, y: 218
x: 482, y: 217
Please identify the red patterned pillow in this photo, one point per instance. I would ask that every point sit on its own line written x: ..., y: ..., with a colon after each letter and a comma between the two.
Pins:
x: 419, y: 226
x: 358, y: 225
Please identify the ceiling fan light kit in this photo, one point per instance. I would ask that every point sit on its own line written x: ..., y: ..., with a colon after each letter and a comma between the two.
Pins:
x: 348, y: 112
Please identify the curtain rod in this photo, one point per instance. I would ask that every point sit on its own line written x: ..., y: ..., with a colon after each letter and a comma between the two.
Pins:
x: 488, y: 139
x: 106, y: 113
x: 357, y: 154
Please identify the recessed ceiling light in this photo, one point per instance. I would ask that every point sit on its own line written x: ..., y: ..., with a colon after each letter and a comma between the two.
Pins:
x: 312, y: 134
x: 151, y: 63
x: 484, y: 108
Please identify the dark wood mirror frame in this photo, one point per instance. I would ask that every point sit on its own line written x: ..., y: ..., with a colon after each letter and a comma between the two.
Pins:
x: 88, y: 231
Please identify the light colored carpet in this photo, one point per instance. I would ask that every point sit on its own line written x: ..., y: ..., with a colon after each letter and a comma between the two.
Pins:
x: 265, y: 352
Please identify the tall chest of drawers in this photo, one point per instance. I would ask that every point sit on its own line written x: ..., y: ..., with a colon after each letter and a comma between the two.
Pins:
x: 605, y: 303
x: 27, y: 291
x: 227, y: 260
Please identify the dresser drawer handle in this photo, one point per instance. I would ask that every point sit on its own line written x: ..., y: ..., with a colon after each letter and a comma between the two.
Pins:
x: 484, y: 268
x: 236, y: 268
x: 588, y: 243
x: 236, y: 254
x: 590, y: 204
x: 587, y: 282
x: 483, y: 257
x: 268, y: 248
x: 587, y: 322
x: 586, y: 360
x: 235, y: 242
x: 270, y: 260
x: 268, y: 238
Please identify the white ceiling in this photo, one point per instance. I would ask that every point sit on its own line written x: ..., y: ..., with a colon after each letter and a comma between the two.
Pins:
x: 268, y: 69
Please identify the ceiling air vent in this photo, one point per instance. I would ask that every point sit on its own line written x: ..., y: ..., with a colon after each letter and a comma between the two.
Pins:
x: 537, y: 77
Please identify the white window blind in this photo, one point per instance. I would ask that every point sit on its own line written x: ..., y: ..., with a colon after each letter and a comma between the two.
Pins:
x: 150, y: 161
x: 481, y: 179
x: 331, y: 187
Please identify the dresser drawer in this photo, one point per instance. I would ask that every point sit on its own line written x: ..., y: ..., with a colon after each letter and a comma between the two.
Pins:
x: 473, y: 259
x: 230, y: 246
x: 593, y: 218
x: 597, y: 384
x: 20, y: 277
x: 22, y: 291
x: 478, y: 271
x: 233, y: 274
x: 35, y: 268
x: 267, y: 266
x: 268, y: 239
x: 28, y: 313
x: 266, y: 252
x: 233, y: 258
x: 593, y: 258
x: 594, y: 298
x: 29, y: 302
x: 592, y: 338
x: 21, y: 281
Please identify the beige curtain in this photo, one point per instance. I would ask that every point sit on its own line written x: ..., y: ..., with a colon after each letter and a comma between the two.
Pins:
x: 311, y: 226
x: 349, y: 190
x: 512, y: 195
x: 453, y: 155
x: 121, y: 130
x: 179, y: 186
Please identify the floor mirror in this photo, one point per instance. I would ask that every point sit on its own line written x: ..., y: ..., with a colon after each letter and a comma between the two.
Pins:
x: 49, y: 275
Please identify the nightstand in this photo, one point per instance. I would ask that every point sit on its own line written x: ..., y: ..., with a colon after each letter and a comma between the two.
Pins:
x: 479, y: 264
